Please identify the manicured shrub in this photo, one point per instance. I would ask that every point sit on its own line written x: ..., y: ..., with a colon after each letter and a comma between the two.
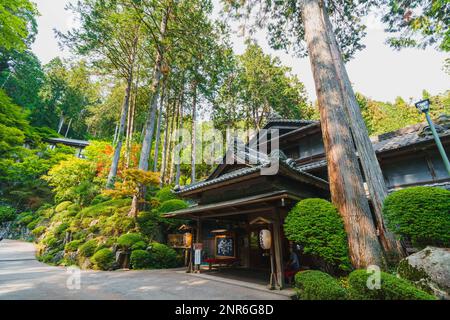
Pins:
x: 103, y: 259
x: 172, y: 205
x: 165, y: 194
x: 107, y: 208
x: 38, y: 231
x: 33, y: 224
x: 25, y: 218
x: 140, y: 259
x: 50, y: 241
x: 73, y: 246
x: 127, y: 241
x: 100, y: 199
x: 421, y: 214
x: 162, y: 256
x: 141, y: 245
x: 391, y: 288
x: 63, y: 206
x: 317, y: 226
x: 88, y: 249
x: 7, y: 214
x: 148, y: 223
x: 317, y: 285
x: 61, y: 228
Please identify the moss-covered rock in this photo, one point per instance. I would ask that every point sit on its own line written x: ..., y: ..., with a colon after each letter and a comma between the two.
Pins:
x: 428, y: 269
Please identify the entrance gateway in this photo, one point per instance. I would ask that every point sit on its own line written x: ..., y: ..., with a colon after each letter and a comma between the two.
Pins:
x: 235, y: 205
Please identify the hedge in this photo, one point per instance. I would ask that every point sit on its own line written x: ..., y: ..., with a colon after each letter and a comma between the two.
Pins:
x: 140, y: 259
x: 88, y: 249
x: 7, y: 214
x: 317, y: 285
x: 420, y: 214
x: 317, y: 226
x: 127, y: 241
x: 162, y: 256
x: 172, y: 205
x: 391, y: 288
x: 103, y: 259
x: 165, y: 194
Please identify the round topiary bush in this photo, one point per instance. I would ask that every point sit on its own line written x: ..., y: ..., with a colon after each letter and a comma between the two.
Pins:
x: 73, y: 246
x: 127, y: 241
x: 88, y: 249
x: 103, y: 259
x: 317, y: 226
x: 7, y: 214
x: 38, y: 231
x: 148, y: 222
x: 172, y: 205
x: 391, y: 288
x: 63, y: 206
x: 421, y: 214
x: 140, y: 259
x: 141, y: 245
x: 317, y: 285
x: 162, y: 256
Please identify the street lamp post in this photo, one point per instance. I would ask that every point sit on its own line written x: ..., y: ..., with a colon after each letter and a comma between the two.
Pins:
x: 424, y: 107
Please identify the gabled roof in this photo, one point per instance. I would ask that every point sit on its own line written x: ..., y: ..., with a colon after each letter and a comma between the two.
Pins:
x: 289, y: 165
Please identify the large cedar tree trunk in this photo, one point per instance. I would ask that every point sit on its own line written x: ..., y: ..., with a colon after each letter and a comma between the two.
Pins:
x: 346, y: 182
x: 369, y: 162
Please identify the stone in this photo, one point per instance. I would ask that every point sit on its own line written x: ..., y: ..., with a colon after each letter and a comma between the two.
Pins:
x: 123, y: 259
x: 429, y: 269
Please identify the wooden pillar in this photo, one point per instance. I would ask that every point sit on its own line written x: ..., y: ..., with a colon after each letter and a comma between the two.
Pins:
x: 278, y: 248
x: 199, y: 239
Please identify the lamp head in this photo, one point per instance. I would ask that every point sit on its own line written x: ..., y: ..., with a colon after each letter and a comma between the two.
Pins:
x: 423, y: 106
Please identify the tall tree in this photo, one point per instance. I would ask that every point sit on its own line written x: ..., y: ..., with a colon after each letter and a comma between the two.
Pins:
x: 18, y: 24
x: 110, y: 34
x: 418, y: 23
x: 305, y: 26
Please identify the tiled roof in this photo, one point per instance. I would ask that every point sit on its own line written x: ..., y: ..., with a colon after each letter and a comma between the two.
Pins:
x: 403, y: 138
x: 272, y: 122
x: 391, y: 141
x: 289, y: 163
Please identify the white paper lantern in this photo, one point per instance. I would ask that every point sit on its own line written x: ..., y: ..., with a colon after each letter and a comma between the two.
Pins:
x: 265, y: 239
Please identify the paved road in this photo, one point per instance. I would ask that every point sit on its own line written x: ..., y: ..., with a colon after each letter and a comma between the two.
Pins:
x: 23, y: 277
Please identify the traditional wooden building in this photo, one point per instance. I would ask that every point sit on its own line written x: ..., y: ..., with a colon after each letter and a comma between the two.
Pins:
x: 236, y: 202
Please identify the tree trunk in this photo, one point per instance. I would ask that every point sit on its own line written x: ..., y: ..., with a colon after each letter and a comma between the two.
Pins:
x: 369, y: 162
x: 155, y: 89
x: 172, y: 140
x: 68, y: 128
x: 346, y: 182
x: 158, y: 130
x: 123, y: 118
x: 131, y: 116
x: 166, y: 138
x: 178, y: 174
x: 61, y: 123
x: 194, y: 134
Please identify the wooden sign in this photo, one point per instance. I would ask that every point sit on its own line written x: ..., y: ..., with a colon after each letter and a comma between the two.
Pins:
x: 225, y: 247
x: 180, y: 241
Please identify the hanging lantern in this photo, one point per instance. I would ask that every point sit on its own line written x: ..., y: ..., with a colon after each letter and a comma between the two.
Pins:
x: 188, y: 240
x: 265, y: 239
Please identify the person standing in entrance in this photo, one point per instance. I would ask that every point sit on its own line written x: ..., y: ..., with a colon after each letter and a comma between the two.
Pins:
x: 293, y: 266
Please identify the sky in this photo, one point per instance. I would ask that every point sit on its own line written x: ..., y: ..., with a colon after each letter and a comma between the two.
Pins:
x: 378, y: 71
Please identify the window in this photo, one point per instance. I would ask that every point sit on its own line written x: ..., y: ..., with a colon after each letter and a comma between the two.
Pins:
x: 407, y: 171
x: 311, y: 146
